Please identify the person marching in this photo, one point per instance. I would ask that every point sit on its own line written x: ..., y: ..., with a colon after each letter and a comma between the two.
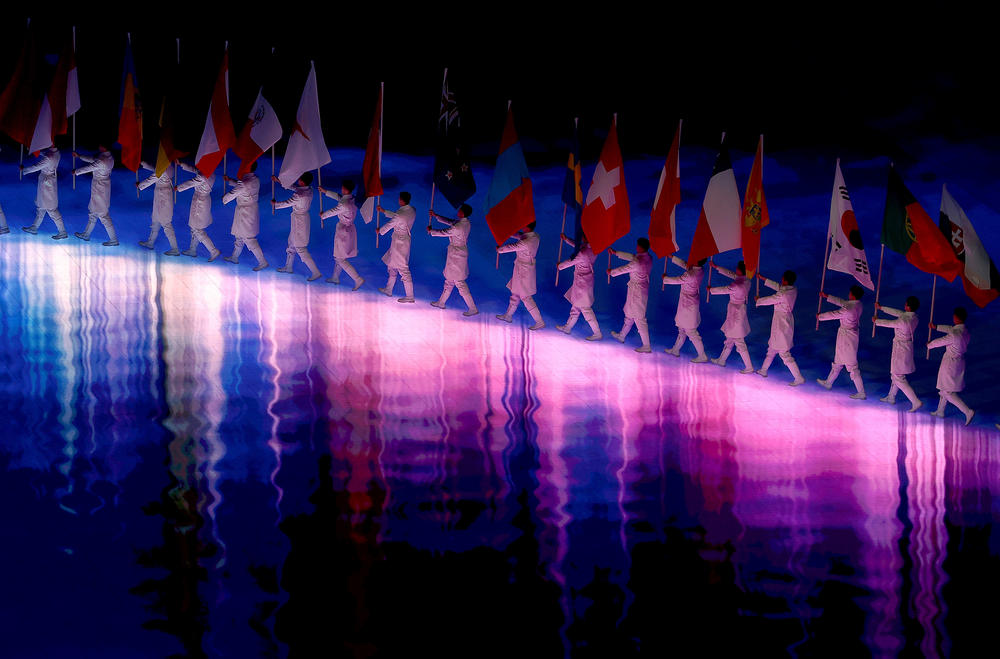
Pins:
x: 99, y: 167
x: 246, y: 219
x: 782, y: 324
x: 736, y: 326
x: 3, y: 222
x: 298, y: 234
x: 904, y: 323
x: 47, y: 196
x: 848, y: 335
x: 522, y: 282
x: 345, y: 236
x: 163, y: 207
x: 200, y: 215
x: 456, y: 265
x: 581, y: 292
x: 951, y: 373
x: 397, y: 257
x: 638, y: 268
x: 688, y: 315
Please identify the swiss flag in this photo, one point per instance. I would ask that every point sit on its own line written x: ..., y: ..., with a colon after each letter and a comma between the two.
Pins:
x: 605, y: 212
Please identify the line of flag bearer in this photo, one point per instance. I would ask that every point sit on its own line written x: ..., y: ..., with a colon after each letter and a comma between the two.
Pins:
x: 949, y: 249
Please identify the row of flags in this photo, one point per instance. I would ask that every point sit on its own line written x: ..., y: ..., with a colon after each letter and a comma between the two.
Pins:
x: 34, y: 108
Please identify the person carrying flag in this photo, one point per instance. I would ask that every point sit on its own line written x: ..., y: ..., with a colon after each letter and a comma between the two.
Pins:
x: 581, y: 293
x: 298, y: 234
x: 456, y: 265
x: 638, y: 268
x: 47, y: 197
x: 782, y: 324
x: 246, y: 219
x: 736, y: 326
x: 688, y: 315
x: 904, y: 324
x: 522, y: 281
x: 163, y: 207
x: 345, y: 236
x: 951, y: 372
x: 848, y: 335
x: 397, y: 257
x: 99, y: 167
x: 200, y: 215
x: 3, y: 222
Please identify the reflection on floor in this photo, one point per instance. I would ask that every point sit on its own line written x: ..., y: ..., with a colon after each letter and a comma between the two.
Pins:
x: 253, y: 465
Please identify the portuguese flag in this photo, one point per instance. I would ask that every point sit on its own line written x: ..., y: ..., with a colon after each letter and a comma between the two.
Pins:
x: 909, y: 230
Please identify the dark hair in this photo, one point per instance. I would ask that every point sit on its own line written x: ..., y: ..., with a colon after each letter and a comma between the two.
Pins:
x: 347, y: 184
x: 530, y: 226
x: 643, y: 243
x: 741, y: 267
x: 306, y: 178
x: 789, y: 277
x: 857, y: 292
x: 466, y: 210
x: 961, y: 313
x: 701, y: 263
x: 405, y: 196
x: 913, y: 302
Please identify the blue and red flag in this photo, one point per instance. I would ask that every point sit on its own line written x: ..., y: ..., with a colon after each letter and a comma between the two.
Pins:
x: 130, y: 120
x: 572, y: 193
x: 509, y: 202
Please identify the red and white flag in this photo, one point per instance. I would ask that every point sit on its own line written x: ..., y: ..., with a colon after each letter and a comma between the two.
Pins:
x: 718, y: 228
x: 979, y: 274
x: 605, y: 216
x: 261, y: 131
x: 62, y: 101
x: 371, y: 167
x: 218, y: 136
x: 306, y: 148
x: 662, y: 227
x: 847, y: 251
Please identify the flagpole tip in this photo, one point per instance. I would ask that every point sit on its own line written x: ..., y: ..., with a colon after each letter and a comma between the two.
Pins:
x: 723, y: 137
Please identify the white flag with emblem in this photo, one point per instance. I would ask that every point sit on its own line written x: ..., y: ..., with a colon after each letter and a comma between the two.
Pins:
x: 847, y: 251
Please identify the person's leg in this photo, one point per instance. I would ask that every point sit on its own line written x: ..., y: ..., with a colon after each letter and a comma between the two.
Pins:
x: 643, y: 327
x: 567, y: 327
x: 445, y: 294
x: 255, y: 249
x: 588, y: 315
x: 508, y: 316
x: 463, y: 290
x: 793, y: 367
x: 536, y: 315
x: 626, y: 328
x: 835, y: 370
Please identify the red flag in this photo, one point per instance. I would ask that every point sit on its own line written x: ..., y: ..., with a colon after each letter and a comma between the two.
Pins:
x: 662, y: 228
x: 20, y: 101
x: 218, y: 136
x: 755, y: 215
x: 510, y: 202
x: 718, y: 228
x: 606, y: 212
x: 371, y: 168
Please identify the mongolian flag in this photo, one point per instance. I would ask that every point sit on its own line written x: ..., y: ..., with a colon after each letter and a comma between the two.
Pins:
x: 755, y: 216
x: 509, y: 201
x: 847, y: 251
x: 909, y: 230
x: 606, y: 211
x: 718, y: 228
x: 371, y: 167
x: 452, y: 167
x: 130, y: 119
x: 218, y: 136
x: 979, y: 274
x: 662, y: 225
x: 572, y: 193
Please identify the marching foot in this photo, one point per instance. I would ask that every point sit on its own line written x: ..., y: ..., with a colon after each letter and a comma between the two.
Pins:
x: 916, y: 406
x: 563, y: 329
x: 4, y: 230
x: 146, y: 244
x: 357, y: 284
x: 60, y: 236
x: 537, y: 326
x: 110, y: 243
x: 749, y: 369
x: 314, y: 276
x: 888, y: 399
x: 618, y: 336
x: 385, y: 291
x: 762, y: 373
x: 173, y: 251
x: 190, y: 252
x: 700, y: 359
x: 823, y: 383
x: 644, y: 349
x: 31, y: 230
x: 671, y: 351
x: 718, y: 362
x: 796, y: 382
x: 438, y: 303
x: 938, y: 414
x: 505, y: 318
x: 471, y: 312
x: 284, y: 269
x: 332, y: 280
x: 860, y: 395
x: 214, y: 255
x: 231, y: 259
x: 81, y: 235
x: 595, y: 337
x: 260, y: 266
x: 968, y: 416
x: 406, y: 299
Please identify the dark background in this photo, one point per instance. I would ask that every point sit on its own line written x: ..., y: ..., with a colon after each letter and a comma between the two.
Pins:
x: 860, y: 82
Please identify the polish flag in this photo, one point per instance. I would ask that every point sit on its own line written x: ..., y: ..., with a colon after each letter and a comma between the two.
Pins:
x: 718, y: 228
x: 261, y: 131
x: 306, y: 149
x: 605, y: 216
x: 662, y: 227
x: 218, y: 136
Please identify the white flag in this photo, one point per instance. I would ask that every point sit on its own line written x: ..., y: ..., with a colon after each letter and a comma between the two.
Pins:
x: 306, y: 149
x: 847, y: 251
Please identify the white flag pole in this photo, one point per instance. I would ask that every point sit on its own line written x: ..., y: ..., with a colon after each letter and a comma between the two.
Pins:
x: 74, y: 118
x: 272, y: 178
x: 378, y: 198
x: 20, y: 166
x: 878, y: 286
x: 933, y: 294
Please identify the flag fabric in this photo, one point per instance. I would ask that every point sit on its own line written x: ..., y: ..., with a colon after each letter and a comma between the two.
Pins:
x: 909, y: 230
x: 371, y: 167
x: 605, y: 216
x: 662, y: 225
x: 718, y: 228
x: 61, y: 102
x: 168, y: 152
x: 20, y: 100
x: 755, y: 216
x: 306, y: 148
x: 130, y: 119
x: 218, y: 136
x: 452, y: 167
x: 979, y: 274
x: 572, y: 193
x: 509, y: 201
x: 847, y: 251
x: 261, y: 131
